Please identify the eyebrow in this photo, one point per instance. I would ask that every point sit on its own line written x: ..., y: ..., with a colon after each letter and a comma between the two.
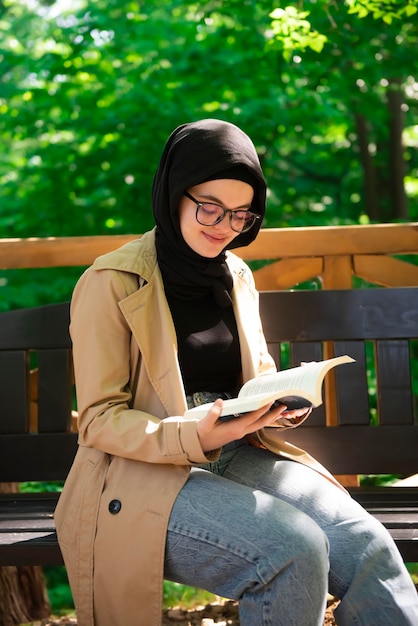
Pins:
x: 213, y: 199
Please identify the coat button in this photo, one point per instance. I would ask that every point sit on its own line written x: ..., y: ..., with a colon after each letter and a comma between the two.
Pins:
x: 115, y: 506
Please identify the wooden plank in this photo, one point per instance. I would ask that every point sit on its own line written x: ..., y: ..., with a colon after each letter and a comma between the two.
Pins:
x: 359, y: 449
x: 55, y: 387
x: 36, y: 328
x: 305, y: 352
x: 394, y: 393
x: 386, y: 271
x: 394, y: 311
x: 272, y: 243
x: 14, y: 392
x: 54, y: 454
x: 287, y: 273
x: 275, y: 243
x: 31, y: 550
x: 57, y: 251
x: 376, y: 497
x: 338, y: 272
x: 352, y: 396
x: 27, y: 529
x: 397, y: 509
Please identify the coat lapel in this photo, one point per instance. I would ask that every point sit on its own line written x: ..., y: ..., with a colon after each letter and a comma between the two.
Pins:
x: 149, y: 318
x: 245, y: 302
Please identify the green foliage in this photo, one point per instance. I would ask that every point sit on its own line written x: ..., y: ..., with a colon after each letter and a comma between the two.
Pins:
x: 291, y: 31
x: 413, y: 570
x: 36, y: 487
x: 33, y: 287
x: 387, y: 10
x: 90, y: 92
x: 59, y: 592
x: 379, y: 480
x: 176, y: 594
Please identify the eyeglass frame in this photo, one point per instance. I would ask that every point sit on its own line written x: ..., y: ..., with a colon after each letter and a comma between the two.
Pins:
x: 231, y: 212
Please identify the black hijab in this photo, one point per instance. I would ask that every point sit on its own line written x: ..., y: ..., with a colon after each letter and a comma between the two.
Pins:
x: 194, y: 153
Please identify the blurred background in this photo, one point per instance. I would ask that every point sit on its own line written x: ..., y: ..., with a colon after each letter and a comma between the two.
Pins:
x: 90, y: 91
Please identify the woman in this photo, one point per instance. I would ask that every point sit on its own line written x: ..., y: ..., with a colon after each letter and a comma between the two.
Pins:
x: 167, y: 322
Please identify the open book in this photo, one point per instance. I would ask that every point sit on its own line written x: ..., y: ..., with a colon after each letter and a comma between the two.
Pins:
x: 296, y: 387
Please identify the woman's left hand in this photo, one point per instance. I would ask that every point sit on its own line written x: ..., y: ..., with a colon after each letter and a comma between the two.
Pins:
x: 214, y: 433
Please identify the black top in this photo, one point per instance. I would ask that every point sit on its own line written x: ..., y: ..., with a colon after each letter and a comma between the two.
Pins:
x: 208, y: 347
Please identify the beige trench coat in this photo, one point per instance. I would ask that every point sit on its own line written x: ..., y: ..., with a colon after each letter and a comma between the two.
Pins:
x: 135, y: 451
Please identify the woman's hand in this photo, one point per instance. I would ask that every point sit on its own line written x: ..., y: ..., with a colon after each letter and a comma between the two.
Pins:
x: 214, y: 433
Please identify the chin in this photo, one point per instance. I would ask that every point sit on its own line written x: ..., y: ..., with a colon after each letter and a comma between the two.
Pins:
x: 209, y: 255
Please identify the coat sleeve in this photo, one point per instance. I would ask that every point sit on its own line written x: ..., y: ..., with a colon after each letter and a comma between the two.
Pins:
x: 103, y: 369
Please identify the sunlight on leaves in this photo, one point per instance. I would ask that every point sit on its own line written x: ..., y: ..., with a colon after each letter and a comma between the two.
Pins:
x: 291, y: 31
x: 386, y: 10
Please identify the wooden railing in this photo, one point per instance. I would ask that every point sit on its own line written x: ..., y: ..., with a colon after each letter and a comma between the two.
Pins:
x: 334, y: 255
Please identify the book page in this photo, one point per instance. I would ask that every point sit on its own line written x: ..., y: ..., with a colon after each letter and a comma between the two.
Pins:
x: 232, y: 406
x: 306, y: 377
x: 281, y: 381
x: 297, y: 387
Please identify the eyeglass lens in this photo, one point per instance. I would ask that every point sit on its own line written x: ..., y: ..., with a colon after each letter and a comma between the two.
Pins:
x: 211, y: 214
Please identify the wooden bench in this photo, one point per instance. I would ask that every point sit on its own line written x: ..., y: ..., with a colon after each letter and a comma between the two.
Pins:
x: 375, y: 326
x: 36, y: 441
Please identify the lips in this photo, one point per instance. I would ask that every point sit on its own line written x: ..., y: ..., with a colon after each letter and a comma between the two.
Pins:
x: 215, y: 240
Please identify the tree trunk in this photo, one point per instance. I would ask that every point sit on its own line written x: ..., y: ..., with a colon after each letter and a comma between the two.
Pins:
x: 23, y: 595
x: 371, y: 204
x: 399, y: 202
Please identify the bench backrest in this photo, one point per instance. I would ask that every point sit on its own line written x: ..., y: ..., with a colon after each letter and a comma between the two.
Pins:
x: 36, y: 394
x: 374, y: 326
x: 375, y: 427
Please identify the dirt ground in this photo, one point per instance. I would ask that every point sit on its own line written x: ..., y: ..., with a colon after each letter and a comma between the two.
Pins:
x: 225, y: 614
x: 222, y: 614
x: 216, y: 614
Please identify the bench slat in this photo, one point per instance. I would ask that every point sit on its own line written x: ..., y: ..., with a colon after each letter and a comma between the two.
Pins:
x: 14, y: 396
x: 55, y: 385
x: 309, y: 351
x: 37, y: 457
x: 340, y: 314
x: 360, y: 449
x: 27, y: 530
x: 30, y: 549
x: 353, y: 406
x: 36, y: 328
x: 397, y: 509
x: 394, y: 382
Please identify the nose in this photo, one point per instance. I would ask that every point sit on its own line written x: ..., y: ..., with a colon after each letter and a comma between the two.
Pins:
x: 225, y: 222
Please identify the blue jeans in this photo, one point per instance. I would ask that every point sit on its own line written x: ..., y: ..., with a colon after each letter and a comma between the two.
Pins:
x: 277, y: 536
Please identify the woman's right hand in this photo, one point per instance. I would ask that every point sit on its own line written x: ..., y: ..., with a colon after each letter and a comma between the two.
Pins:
x: 214, y: 433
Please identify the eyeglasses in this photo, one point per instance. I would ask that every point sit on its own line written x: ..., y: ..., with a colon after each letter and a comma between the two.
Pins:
x: 209, y: 214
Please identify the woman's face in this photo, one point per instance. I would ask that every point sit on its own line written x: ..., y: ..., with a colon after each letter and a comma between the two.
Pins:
x: 209, y: 241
